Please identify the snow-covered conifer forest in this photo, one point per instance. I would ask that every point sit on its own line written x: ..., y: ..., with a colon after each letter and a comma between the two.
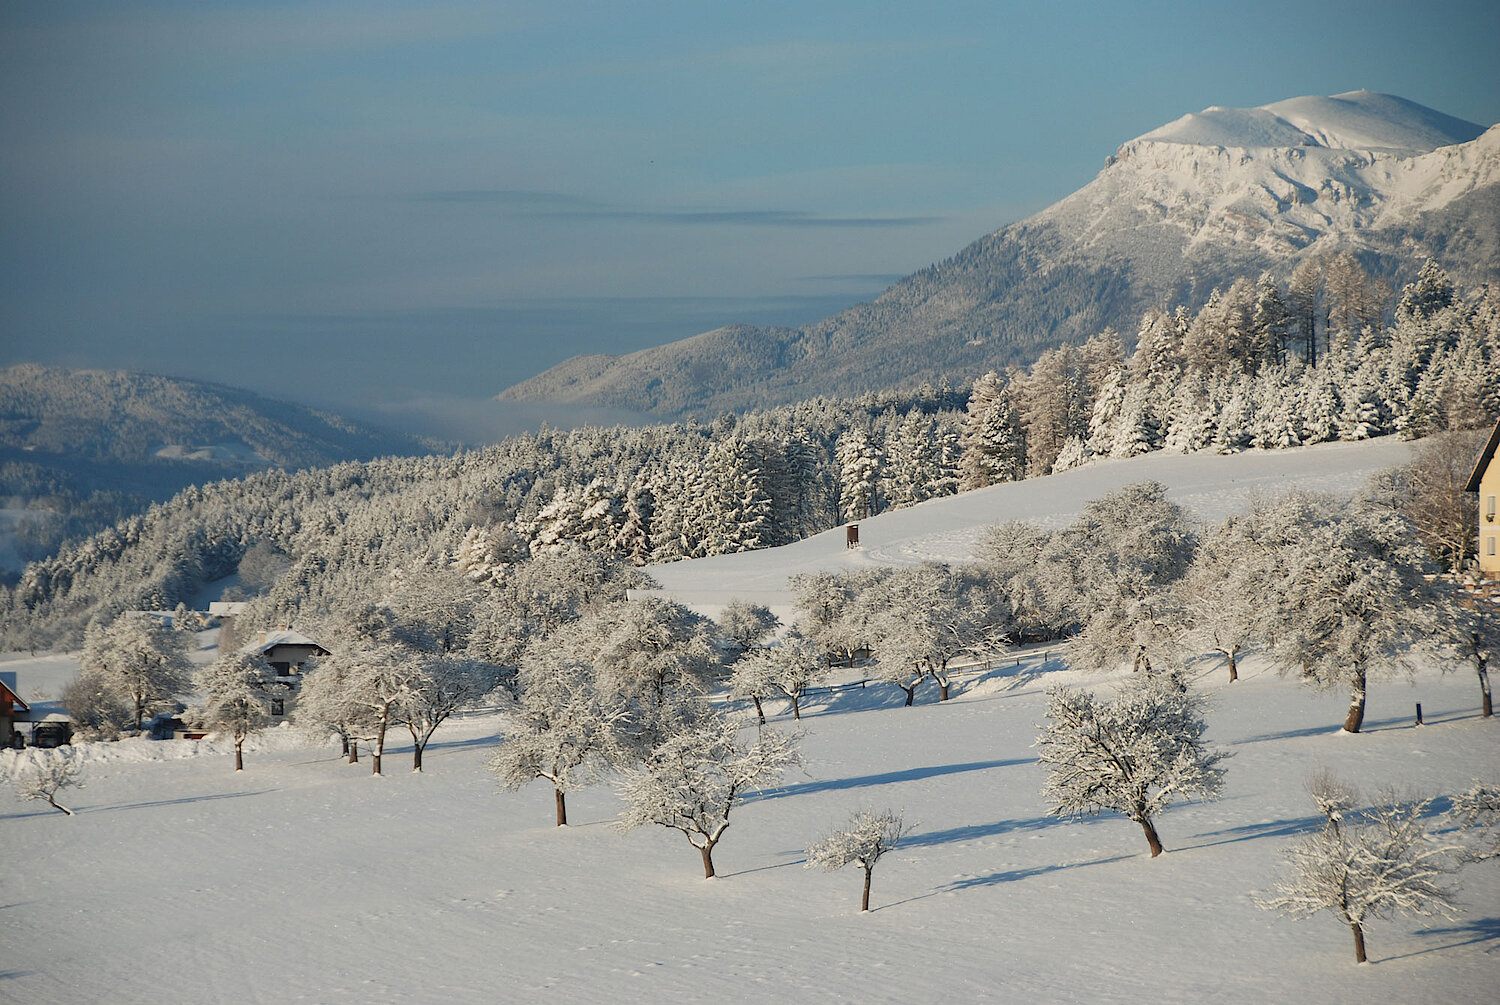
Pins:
x: 1179, y: 583
x: 1331, y: 358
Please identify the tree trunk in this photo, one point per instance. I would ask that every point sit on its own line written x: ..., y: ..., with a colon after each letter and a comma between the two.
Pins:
x: 380, y: 742
x: 562, y: 807
x: 345, y: 738
x: 796, y: 710
x: 239, y: 754
x: 1487, y: 705
x: 758, y: 710
x: 707, y: 851
x: 942, y: 690
x: 59, y: 807
x: 416, y: 756
x: 1359, y: 942
x: 911, y: 693
x: 1356, y: 716
x: 1151, y: 837
x: 864, y: 901
x: 354, y: 750
x: 1234, y: 672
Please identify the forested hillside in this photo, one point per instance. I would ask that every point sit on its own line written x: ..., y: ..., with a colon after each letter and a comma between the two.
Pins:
x: 1258, y: 366
x: 79, y: 449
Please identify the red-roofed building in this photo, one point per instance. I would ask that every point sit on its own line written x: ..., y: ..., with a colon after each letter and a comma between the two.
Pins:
x: 10, y: 703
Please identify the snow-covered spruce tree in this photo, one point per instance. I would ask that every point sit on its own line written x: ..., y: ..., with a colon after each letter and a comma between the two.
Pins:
x: 563, y: 728
x: 783, y: 671
x: 42, y: 774
x: 868, y: 837
x: 237, y: 689
x: 993, y: 444
x: 1476, y: 812
x: 859, y: 475
x: 692, y: 780
x: 1134, y: 754
x: 1375, y: 864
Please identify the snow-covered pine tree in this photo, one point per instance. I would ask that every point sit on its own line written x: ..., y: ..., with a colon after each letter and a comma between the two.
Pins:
x: 859, y: 475
x: 993, y: 444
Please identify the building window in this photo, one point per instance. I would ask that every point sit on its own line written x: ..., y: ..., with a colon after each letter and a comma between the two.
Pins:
x: 1489, y: 545
x: 278, y: 705
x: 1489, y: 508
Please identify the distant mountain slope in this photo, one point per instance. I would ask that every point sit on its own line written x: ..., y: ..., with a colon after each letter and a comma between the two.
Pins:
x: 118, y: 416
x: 1192, y: 205
x: 81, y: 448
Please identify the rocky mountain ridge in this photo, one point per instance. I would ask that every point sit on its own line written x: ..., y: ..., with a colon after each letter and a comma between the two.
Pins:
x: 1175, y: 213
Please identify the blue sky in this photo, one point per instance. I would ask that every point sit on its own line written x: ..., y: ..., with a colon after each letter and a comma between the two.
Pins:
x: 422, y: 203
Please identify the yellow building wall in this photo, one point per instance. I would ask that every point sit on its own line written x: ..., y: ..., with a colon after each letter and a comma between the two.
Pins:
x: 1489, y: 519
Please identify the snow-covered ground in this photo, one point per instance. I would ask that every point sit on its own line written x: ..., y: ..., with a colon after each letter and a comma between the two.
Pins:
x: 306, y: 879
x: 1209, y: 486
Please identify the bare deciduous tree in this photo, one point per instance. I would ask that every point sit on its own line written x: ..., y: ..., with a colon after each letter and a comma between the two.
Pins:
x: 868, y: 837
x: 1374, y: 864
x: 1134, y: 754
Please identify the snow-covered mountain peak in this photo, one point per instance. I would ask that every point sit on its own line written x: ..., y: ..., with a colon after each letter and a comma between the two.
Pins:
x: 1356, y: 120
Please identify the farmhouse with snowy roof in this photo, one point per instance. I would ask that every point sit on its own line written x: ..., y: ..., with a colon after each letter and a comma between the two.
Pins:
x: 1486, y: 481
x: 287, y: 651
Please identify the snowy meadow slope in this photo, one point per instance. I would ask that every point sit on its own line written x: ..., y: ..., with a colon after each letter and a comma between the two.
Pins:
x: 1209, y: 486
x: 307, y: 879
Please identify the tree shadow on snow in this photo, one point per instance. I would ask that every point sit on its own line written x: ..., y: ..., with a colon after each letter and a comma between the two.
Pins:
x: 1289, y: 827
x: 475, y: 741
x: 1329, y: 729
x: 1016, y: 875
x: 863, y: 781
x: 1472, y: 933
x: 973, y: 832
x: 179, y: 802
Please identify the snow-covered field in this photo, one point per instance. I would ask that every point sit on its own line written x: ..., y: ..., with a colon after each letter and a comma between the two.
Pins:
x: 307, y: 879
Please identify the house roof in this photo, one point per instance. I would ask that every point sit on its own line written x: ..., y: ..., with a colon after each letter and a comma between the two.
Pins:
x: 1485, y: 456
x: 280, y: 637
x: 7, y: 690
